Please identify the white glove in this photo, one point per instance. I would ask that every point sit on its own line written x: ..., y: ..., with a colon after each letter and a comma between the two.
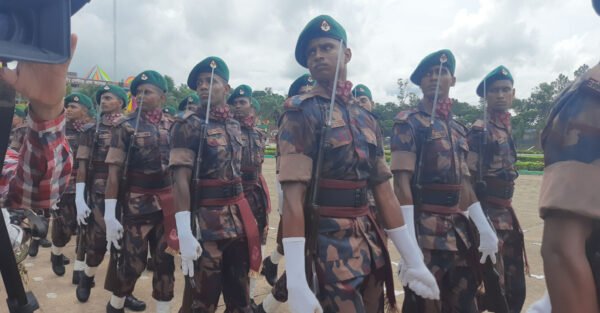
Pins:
x: 279, y: 196
x: 488, y: 241
x: 189, y: 247
x: 83, y: 211
x: 300, y: 298
x: 543, y: 305
x: 15, y: 233
x: 114, y: 229
x: 416, y: 275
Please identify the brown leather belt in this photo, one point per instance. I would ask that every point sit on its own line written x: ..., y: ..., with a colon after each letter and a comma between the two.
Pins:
x: 215, y: 189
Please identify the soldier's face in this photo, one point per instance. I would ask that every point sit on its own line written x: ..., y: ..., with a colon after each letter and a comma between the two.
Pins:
x: 241, y: 107
x: 75, y: 112
x: 304, y: 89
x: 430, y: 79
x: 365, y: 102
x: 500, y: 95
x: 219, y: 89
x: 322, y: 55
x: 152, y: 97
x: 109, y: 103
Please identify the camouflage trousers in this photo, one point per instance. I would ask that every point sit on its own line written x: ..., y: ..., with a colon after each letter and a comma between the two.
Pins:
x: 222, y: 267
x: 258, y: 206
x: 363, y: 294
x: 64, y: 220
x: 137, y: 236
x: 511, y: 267
x: 96, y: 233
x: 456, y: 279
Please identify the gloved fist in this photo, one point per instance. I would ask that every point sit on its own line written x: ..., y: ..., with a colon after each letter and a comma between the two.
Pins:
x: 189, y: 247
x: 300, y: 297
x: 114, y: 229
x: 83, y: 211
x: 488, y: 241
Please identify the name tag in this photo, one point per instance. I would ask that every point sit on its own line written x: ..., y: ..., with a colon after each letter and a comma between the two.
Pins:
x: 143, y: 134
x: 214, y: 131
x: 337, y: 123
x: 104, y: 136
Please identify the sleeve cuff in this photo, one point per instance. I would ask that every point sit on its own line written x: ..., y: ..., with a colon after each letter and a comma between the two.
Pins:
x: 295, y: 168
x: 403, y: 161
x: 181, y: 157
x: 115, y: 156
x: 83, y: 153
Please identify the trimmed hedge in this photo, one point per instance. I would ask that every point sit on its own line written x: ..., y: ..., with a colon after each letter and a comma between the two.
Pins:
x: 530, y: 166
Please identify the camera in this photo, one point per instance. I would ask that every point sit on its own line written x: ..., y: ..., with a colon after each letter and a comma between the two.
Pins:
x: 36, y: 30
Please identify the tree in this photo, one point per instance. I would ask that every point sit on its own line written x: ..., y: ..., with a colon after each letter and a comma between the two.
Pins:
x: 466, y: 113
x: 581, y: 70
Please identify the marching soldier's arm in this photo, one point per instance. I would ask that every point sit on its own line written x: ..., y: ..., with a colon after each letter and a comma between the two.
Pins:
x: 112, y: 182
x: 115, y: 158
x: 388, y: 204
x: 181, y: 187
x: 467, y: 194
x: 402, y: 187
x: 82, y: 171
x: 293, y: 208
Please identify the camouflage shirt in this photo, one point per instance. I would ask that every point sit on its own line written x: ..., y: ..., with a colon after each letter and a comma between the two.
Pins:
x: 221, y: 158
x: 498, y: 162
x: 348, y: 247
x: 99, y: 151
x: 253, y: 149
x: 72, y: 136
x: 17, y: 136
x: 444, y: 162
x: 147, y: 163
x: 500, y: 156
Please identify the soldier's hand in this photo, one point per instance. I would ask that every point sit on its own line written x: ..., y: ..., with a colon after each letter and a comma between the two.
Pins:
x: 114, y: 229
x: 189, y: 247
x: 83, y: 211
x: 422, y: 282
x: 300, y: 297
x: 488, y: 241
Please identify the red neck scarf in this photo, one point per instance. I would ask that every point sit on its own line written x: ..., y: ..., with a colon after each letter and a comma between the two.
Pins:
x: 78, y: 125
x: 153, y: 117
x: 344, y: 91
x: 503, y: 117
x: 110, y: 118
x: 220, y: 113
x: 444, y: 107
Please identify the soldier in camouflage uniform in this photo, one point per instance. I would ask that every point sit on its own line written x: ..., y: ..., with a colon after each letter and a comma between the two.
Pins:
x: 569, y: 196
x: 245, y: 110
x: 228, y: 233
x: 430, y: 162
x: 351, y: 259
x: 79, y: 112
x: 94, y: 143
x: 144, y: 197
x: 279, y: 295
x: 499, y: 155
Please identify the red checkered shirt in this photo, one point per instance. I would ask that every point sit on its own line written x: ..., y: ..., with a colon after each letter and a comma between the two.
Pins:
x: 36, y: 176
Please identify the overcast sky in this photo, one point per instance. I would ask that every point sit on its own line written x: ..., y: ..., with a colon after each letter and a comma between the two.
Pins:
x: 535, y: 39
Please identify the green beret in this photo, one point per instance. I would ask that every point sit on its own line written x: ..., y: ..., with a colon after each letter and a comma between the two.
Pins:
x: 21, y: 111
x: 255, y: 104
x: 148, y: 77
x: 205, y: 66
x: 170, y: 110
x: 304, y: 80
x: 596, y: 4
x: 433, y: 60
x: 499, y: 73
x: 320, y: 26
x: 83, y: 100
x: 193, y: 98
x: 115, y: 90
x: 240, y: 91
x: 362, y: 90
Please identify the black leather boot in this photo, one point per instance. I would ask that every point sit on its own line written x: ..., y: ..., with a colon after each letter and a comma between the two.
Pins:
x: 133, y: 304
x: 58, y: 265
x: 84, y: 288
x: 269, y: 271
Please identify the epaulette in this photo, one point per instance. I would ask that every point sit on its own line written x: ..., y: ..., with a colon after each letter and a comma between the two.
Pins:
x: 478, y: 125
x: 187, y: 114
x: 87, y: 127
x: 125, y: 118
x: 461, y: 127
x: 295, y: 102
x: 402, y: 117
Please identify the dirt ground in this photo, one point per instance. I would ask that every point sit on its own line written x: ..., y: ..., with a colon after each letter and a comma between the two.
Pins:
x: 57, y: 295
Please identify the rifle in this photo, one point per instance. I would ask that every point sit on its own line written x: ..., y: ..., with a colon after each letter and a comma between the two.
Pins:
x: 312, y: 214
x: 81, y: 248
x: 115, y: 255
x: 195, y: 196
x: 494, y: 298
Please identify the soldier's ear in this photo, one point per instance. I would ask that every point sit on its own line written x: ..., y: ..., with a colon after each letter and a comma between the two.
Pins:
x: 513, y: 93
x: 347, y: 55
x: 453, y: 81
x: 227, y: 88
